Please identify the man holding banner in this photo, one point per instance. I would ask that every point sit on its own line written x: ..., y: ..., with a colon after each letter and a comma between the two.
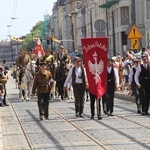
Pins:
x: 95, y: 60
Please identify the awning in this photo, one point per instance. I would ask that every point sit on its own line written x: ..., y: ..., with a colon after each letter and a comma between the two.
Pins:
x: 109, y: 3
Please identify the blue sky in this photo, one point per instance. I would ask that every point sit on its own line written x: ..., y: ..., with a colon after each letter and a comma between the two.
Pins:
x: 27, y: 12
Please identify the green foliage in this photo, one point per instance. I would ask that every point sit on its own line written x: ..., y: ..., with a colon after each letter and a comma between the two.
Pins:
x: 29, y: 42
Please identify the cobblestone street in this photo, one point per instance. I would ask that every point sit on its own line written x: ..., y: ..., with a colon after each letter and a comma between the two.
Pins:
x: 22, y: 129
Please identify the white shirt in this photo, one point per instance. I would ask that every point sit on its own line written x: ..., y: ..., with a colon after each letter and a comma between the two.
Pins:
x: 137, y: 74
x: 125, y: 63
x: 115, y: 73
x: 131, y: 75
x: 78, y: 73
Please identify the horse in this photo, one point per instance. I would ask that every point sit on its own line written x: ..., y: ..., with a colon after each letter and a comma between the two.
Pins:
x: 27, y: 80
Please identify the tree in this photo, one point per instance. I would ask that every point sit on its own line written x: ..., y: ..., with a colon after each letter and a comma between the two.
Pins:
x: 29, y: 42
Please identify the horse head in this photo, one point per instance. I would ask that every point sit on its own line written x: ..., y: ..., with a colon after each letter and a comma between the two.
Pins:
x: 31, y: 67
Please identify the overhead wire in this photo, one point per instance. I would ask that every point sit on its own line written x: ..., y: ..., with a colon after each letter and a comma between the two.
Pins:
x: 14, y: 11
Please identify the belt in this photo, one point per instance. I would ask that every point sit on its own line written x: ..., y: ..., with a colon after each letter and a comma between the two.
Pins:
x: 78, y: 84
x: 145, y: 78
x: 109, y: 80
x: 42, y: 84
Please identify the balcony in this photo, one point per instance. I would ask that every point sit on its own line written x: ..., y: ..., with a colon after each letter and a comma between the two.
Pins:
x: 109, y: 3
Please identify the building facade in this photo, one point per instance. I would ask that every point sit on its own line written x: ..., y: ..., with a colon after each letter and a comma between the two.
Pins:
x: 9, y: 51
x: 102, y: 18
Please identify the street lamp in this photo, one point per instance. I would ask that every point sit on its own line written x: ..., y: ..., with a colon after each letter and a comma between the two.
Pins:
x: 107, y: 5
x: 13, y: 18
x: 9, y: 25
x: 72, y: 27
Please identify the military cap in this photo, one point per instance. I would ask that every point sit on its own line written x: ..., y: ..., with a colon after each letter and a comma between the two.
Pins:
x: 47, y: 50
x: 136, y: 60
x: 61, y: 46
x: 42, y: 64
x: 77, y: 58
x: 144, y: 56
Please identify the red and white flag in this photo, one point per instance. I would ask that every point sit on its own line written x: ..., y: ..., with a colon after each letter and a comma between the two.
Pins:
x: 39, y: 48
x: 95, y: 60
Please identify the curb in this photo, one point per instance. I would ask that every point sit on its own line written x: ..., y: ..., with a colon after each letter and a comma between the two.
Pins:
x: 124, y: 96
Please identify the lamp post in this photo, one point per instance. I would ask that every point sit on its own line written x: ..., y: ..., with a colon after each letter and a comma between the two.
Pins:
x: 107, y: 5
x: 11, y: 59
x: 133, y: 12
x: 91, y: 23
x: 113, y: 29
x: 72, y: 28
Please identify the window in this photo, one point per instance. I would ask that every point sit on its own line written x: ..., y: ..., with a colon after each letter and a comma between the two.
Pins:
x: 125, y: 15
x: 78, y: 4
x: 124, y: 38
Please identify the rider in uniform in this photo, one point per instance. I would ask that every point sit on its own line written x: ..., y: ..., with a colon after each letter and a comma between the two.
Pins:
x: 22, y: 61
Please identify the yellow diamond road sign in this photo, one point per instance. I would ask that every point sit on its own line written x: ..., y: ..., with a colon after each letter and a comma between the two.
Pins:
x: 134, y: 33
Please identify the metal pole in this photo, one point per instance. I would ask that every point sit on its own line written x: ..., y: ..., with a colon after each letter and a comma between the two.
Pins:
x: 73, y: 46
x: 17, y: 44
x: 91, y: 23
x: 133, y: 15
x: 11, y: 51
x: 113, y: 28
x: 107, y: 22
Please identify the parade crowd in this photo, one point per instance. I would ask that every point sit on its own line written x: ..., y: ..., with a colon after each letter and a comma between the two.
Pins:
x: 60, y: 74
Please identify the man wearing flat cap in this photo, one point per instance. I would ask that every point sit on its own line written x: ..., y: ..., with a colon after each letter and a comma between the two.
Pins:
x: 142, y: 80
x: 112, y: 84
x: 61, y: 53
x: 78, y: 79
x: 132, y: 84
x: 44, y: 87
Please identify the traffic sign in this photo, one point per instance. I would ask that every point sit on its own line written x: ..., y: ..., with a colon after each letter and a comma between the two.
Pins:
x: 135, y: 43
x: 134, y: 33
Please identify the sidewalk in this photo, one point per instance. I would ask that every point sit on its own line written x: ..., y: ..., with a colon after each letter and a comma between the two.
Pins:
x: 124, y: 96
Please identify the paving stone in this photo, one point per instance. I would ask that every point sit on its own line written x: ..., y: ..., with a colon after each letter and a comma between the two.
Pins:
x: 119, y: 132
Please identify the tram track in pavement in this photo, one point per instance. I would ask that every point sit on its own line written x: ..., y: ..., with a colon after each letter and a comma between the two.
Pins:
x: 21, y: 126
x: 124, y: 118
x: 64, y: 118
x: 134, y: 122
x: 77, y: 127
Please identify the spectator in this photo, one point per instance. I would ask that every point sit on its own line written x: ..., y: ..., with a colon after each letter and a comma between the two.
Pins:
x: 3, y: 80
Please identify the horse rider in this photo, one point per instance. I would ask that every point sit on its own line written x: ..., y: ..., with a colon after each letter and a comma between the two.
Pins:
x: 142, y: 80
x: 78, y: 76
x: 60, y: 53
x: 22, y: 61
x: 47, y: 54
x: 44, y: 88
x: 23, y: 58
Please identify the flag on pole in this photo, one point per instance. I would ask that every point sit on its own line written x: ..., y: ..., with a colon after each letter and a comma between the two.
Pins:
x: 16, y: 39
x: 95, y: 60
x: 39, y: 48
x: 55, y: 39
